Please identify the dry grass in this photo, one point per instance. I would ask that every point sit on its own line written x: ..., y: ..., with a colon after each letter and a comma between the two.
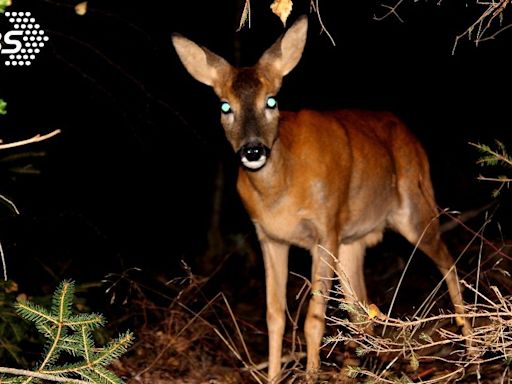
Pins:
x: 430, y: 348
x: 196, y: 339
x: 215, y: 343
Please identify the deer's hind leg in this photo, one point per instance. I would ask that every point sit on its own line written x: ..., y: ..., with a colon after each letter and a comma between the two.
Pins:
x: 417, y: 221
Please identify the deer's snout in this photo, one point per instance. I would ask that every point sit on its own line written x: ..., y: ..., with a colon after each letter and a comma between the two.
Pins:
x: 254, y: 155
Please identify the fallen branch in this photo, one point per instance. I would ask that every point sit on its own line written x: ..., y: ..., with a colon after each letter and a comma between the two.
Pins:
x: 36, y: 139
x: 44, y: 376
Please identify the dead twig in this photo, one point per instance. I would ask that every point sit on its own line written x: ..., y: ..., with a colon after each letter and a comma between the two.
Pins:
x: 36, y: 139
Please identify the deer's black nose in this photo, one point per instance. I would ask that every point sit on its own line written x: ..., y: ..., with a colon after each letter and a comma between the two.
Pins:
x: 254, y: 155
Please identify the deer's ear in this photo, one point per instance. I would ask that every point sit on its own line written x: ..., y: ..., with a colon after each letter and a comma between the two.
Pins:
x: 204, y: 65
x: 286, y: 52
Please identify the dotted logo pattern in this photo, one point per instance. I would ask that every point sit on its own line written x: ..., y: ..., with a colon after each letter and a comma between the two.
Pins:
x: 33, y: 38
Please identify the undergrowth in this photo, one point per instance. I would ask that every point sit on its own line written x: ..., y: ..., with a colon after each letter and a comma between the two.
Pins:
x: 201, y: 337
x: 69, y: 354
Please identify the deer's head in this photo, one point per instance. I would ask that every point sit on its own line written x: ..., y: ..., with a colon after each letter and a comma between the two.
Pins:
x: 248, y: 104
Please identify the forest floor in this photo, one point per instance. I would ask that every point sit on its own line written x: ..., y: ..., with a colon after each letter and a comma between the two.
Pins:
x: 205, y: 338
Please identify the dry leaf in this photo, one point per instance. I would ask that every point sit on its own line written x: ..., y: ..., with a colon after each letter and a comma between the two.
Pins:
x: 282, y: 8
x: 11, y: 287
x: 246, y: 15
x: 374, y: 311
x: 22, y: 297
x: 81, y: 8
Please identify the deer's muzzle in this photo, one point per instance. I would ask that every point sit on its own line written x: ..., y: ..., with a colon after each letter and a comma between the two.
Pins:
x: 254, y: 155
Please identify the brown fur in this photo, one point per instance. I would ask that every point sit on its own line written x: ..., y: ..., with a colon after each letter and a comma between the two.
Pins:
x: 333, y: 182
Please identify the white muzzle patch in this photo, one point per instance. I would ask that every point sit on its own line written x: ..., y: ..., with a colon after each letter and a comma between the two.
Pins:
x: 256, y: 164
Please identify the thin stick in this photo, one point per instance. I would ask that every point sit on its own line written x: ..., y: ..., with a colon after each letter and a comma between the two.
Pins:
x: 4, y: 264
x: 37, y: 138
x: 322, y: 23
x: 12, y: 205
x: 24, y: 372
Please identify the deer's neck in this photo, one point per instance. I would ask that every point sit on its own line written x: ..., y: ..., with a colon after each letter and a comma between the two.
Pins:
x: 268, y: 183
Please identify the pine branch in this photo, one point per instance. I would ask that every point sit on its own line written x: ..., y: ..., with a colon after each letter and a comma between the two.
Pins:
x: 89, y: 320
x: 63, y: 299
x: 494, y: 157
x: 69, y: 338
x: 3, y: 104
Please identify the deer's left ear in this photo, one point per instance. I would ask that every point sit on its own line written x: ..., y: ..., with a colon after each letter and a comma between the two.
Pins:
x: 286, y: 52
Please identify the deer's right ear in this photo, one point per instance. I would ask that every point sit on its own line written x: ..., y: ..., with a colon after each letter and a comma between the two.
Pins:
x: 204, y: 65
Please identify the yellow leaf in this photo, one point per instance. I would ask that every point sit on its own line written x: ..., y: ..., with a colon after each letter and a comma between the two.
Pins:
x: 374, y: 311
x: 81, y: 8
x: 282, y: 8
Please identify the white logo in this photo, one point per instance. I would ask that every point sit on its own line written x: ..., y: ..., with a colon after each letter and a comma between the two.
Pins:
x: 22, y: 43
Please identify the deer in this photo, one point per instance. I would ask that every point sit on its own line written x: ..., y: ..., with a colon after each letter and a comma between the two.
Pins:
x: 330, y: 182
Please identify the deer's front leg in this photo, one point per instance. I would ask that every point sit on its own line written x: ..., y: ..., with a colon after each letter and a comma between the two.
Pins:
x: 275, y: 256
x: 321, y: 281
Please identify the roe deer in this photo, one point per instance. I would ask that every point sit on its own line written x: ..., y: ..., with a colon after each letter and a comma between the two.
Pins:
x: 330, y: 182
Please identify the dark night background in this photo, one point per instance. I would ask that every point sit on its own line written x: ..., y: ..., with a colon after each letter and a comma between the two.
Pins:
x: 130, y: 180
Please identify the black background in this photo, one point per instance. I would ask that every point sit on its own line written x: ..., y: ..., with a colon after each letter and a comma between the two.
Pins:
x: 130, y: 180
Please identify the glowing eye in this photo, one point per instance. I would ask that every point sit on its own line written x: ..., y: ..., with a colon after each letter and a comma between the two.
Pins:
x: 271, y: 102
x: 225, y: 107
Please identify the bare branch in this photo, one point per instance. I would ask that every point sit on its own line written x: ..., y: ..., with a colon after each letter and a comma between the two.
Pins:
x: 477, y: 31
x: 37, y: 375
x: 391, y: 11
x: 480, y: 30
x: 316, y: 7
x: 36, y: 139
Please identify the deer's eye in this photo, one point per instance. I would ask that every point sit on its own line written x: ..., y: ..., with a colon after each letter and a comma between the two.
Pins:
x: 225, y: 107
x: 271, y: 102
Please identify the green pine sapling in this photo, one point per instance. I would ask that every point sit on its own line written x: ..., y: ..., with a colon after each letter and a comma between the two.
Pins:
x: 70, y: 354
